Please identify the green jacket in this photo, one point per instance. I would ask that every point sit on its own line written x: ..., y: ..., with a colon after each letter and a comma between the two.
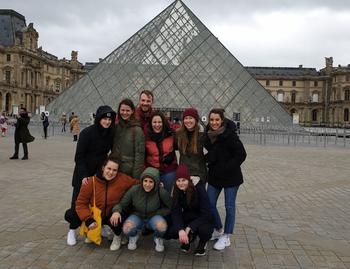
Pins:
x: 146, y: 204
x: 195, y: 162
x: 129, y: 148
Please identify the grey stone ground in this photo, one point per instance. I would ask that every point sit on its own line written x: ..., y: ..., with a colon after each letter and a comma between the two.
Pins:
x: 293, y: 212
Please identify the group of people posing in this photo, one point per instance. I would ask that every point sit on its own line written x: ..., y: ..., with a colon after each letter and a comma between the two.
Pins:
x: 126, y: 165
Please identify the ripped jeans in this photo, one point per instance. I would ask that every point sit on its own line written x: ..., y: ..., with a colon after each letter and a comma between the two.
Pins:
x: 156, y: 223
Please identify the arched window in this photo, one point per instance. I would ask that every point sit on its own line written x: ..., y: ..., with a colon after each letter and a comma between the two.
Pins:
x: 315, y: 97
x: 280, y: 96
x: 314, y: 115
x: 346, y: 114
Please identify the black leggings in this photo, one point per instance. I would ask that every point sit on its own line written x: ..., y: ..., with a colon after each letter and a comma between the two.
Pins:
x: 72, y: 217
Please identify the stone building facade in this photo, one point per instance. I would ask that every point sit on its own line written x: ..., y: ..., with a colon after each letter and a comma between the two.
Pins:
x: 313, y: 98
x: 29, y: 76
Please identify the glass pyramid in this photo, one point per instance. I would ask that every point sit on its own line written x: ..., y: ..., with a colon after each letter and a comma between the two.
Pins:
x: 183, y: 64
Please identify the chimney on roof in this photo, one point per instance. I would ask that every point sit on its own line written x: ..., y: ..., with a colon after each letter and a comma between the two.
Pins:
x: 300, y: 66
x: 74, y: 56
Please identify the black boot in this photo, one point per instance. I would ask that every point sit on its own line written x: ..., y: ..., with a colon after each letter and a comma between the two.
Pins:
x: 200, y: 250
x: 15, y: 155
x: 25, y: 151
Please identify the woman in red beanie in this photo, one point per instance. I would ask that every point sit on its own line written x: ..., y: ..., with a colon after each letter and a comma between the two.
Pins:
x: 190, y: 214
x: 189, y: 141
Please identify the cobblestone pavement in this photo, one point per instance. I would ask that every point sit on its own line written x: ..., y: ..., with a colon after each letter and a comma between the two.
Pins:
x: 293, y: 212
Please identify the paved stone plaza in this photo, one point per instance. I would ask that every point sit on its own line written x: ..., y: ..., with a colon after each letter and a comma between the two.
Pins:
x: 293, y: 212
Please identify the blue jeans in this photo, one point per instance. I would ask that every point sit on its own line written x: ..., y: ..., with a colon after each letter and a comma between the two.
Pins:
x: 168, y: 180
x: 156, y: 223
x: 230, y: 207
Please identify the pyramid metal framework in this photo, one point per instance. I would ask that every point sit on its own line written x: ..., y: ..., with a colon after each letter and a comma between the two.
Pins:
x: 183, y: 64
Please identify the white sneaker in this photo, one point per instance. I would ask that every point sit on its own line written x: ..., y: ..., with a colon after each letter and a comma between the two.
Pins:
x: 223, y: 242
x: 115, y: 243
x: 216, y: 235
x: 159, y: 244
x: 87, y: 241
x: 71, y: 238
x: 132, y: 242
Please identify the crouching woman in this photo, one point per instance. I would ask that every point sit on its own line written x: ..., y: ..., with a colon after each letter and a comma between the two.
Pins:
x: 149, y: 204
x: 190, y: 214
x: 110, y: 186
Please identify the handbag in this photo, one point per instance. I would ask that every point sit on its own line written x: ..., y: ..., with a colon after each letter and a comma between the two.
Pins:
x: 95, y: 234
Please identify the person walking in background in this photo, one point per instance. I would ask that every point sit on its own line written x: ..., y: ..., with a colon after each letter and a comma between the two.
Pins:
x: 22, y: 134
x: 225, y: 155
x: 75, y: 127
x: 189, y: 142
x: 3, y: 124
x: 63, y: 121
x: 190, y: 213
x: 110, y: 186
x: 149, y: 204
x: 45, y: 121
x: 92, y: 149
x: 129, y: 141
x: 144, y: 109
x: 160, y: 151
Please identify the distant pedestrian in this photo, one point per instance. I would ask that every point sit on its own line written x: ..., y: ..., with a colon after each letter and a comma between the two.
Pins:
x: 22, y: 134
x: 72, y: 115
x: 3, y: 124
x: 45, y: 121
x: 75, y: 127
x: 63, y: 121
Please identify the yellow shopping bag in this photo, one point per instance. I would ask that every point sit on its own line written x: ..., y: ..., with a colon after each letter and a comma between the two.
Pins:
x: 95, y: 234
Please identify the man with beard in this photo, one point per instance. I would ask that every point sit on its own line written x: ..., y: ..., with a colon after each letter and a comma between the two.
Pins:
x: 144, y: 109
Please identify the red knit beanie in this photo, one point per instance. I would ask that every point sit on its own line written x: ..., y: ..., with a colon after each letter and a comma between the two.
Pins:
x: 191, y: 112
x: 182, y: 172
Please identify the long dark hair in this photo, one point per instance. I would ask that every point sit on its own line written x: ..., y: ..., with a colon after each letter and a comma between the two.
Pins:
x: 130, y: 104
x: 191, y: 193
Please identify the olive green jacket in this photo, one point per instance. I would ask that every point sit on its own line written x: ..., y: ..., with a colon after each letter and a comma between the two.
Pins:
x: 146, y: 204
x: 129, y: 148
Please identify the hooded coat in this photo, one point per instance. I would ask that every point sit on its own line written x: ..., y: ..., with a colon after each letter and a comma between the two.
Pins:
x: 93, y: 146
x: 129, y: 147
x: 146, y: 204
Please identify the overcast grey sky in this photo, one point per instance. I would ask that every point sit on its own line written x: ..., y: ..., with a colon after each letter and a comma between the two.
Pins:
x: 257, y: 32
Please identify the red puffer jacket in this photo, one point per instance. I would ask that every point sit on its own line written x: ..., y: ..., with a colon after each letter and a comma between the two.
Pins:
x: 161, y: 155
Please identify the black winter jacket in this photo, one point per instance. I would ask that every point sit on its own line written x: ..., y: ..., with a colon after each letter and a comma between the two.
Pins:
x: 193, y: 215
x: 93, y: 146
x: 224, y: 158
